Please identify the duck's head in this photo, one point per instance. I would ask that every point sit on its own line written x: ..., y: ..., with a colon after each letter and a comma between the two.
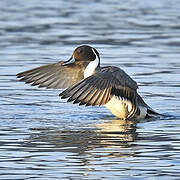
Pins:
x: 84, y: 53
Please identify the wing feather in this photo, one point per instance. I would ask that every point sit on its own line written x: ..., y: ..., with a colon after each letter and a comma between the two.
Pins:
x: 101, y: 86
x: 54, y: 75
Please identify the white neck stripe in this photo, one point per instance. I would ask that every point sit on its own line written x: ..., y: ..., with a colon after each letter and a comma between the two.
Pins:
x: 94, y: 53
x: 91, y: 66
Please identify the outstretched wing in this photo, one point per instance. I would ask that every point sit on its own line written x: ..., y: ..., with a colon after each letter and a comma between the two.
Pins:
x: 101, y: 86
x: 54, y: 76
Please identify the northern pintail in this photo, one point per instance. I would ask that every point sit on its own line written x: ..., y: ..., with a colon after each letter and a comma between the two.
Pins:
x: 87, y: 83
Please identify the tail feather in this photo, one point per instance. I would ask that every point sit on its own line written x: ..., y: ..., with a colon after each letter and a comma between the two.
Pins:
x: 150, y: 111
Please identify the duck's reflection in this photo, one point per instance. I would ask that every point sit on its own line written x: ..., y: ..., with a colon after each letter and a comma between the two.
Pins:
x: 116, y: 132
x: 107, y: 134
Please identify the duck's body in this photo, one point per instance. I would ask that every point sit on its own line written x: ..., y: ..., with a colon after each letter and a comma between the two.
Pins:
x: 89, y: 84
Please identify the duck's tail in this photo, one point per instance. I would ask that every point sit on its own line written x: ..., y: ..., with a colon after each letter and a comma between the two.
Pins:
x: 150, y: 112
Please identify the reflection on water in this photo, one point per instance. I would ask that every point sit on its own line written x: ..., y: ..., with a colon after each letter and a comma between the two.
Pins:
x: 117, y: 132
x: 109, y: 134
x: 112, y: 144
x: 42, y: 137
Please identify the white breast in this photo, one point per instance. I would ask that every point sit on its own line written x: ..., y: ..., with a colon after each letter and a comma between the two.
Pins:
x: 121, y: 108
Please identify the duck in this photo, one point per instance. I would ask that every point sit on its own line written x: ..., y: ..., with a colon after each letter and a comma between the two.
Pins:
x: 87, y: 83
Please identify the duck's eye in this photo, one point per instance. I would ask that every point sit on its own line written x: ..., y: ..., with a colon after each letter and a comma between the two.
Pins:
x: 80, y: 51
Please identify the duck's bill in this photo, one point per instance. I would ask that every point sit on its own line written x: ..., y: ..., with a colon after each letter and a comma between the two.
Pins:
x: 69, y: 61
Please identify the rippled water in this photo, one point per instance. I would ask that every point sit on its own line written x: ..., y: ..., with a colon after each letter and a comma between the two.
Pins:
x: 42, y: 137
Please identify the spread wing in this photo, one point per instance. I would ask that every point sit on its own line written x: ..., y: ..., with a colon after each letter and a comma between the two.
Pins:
x: 101, y: 86
x: 54, y: 76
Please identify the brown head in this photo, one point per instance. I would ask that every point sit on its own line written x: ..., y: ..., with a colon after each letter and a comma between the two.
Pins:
x: 83, y: 53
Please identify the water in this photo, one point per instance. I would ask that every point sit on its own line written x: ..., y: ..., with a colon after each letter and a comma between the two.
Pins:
x: 42, y: 137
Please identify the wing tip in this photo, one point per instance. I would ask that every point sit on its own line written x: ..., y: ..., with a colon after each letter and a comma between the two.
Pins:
x: 19, y: 75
